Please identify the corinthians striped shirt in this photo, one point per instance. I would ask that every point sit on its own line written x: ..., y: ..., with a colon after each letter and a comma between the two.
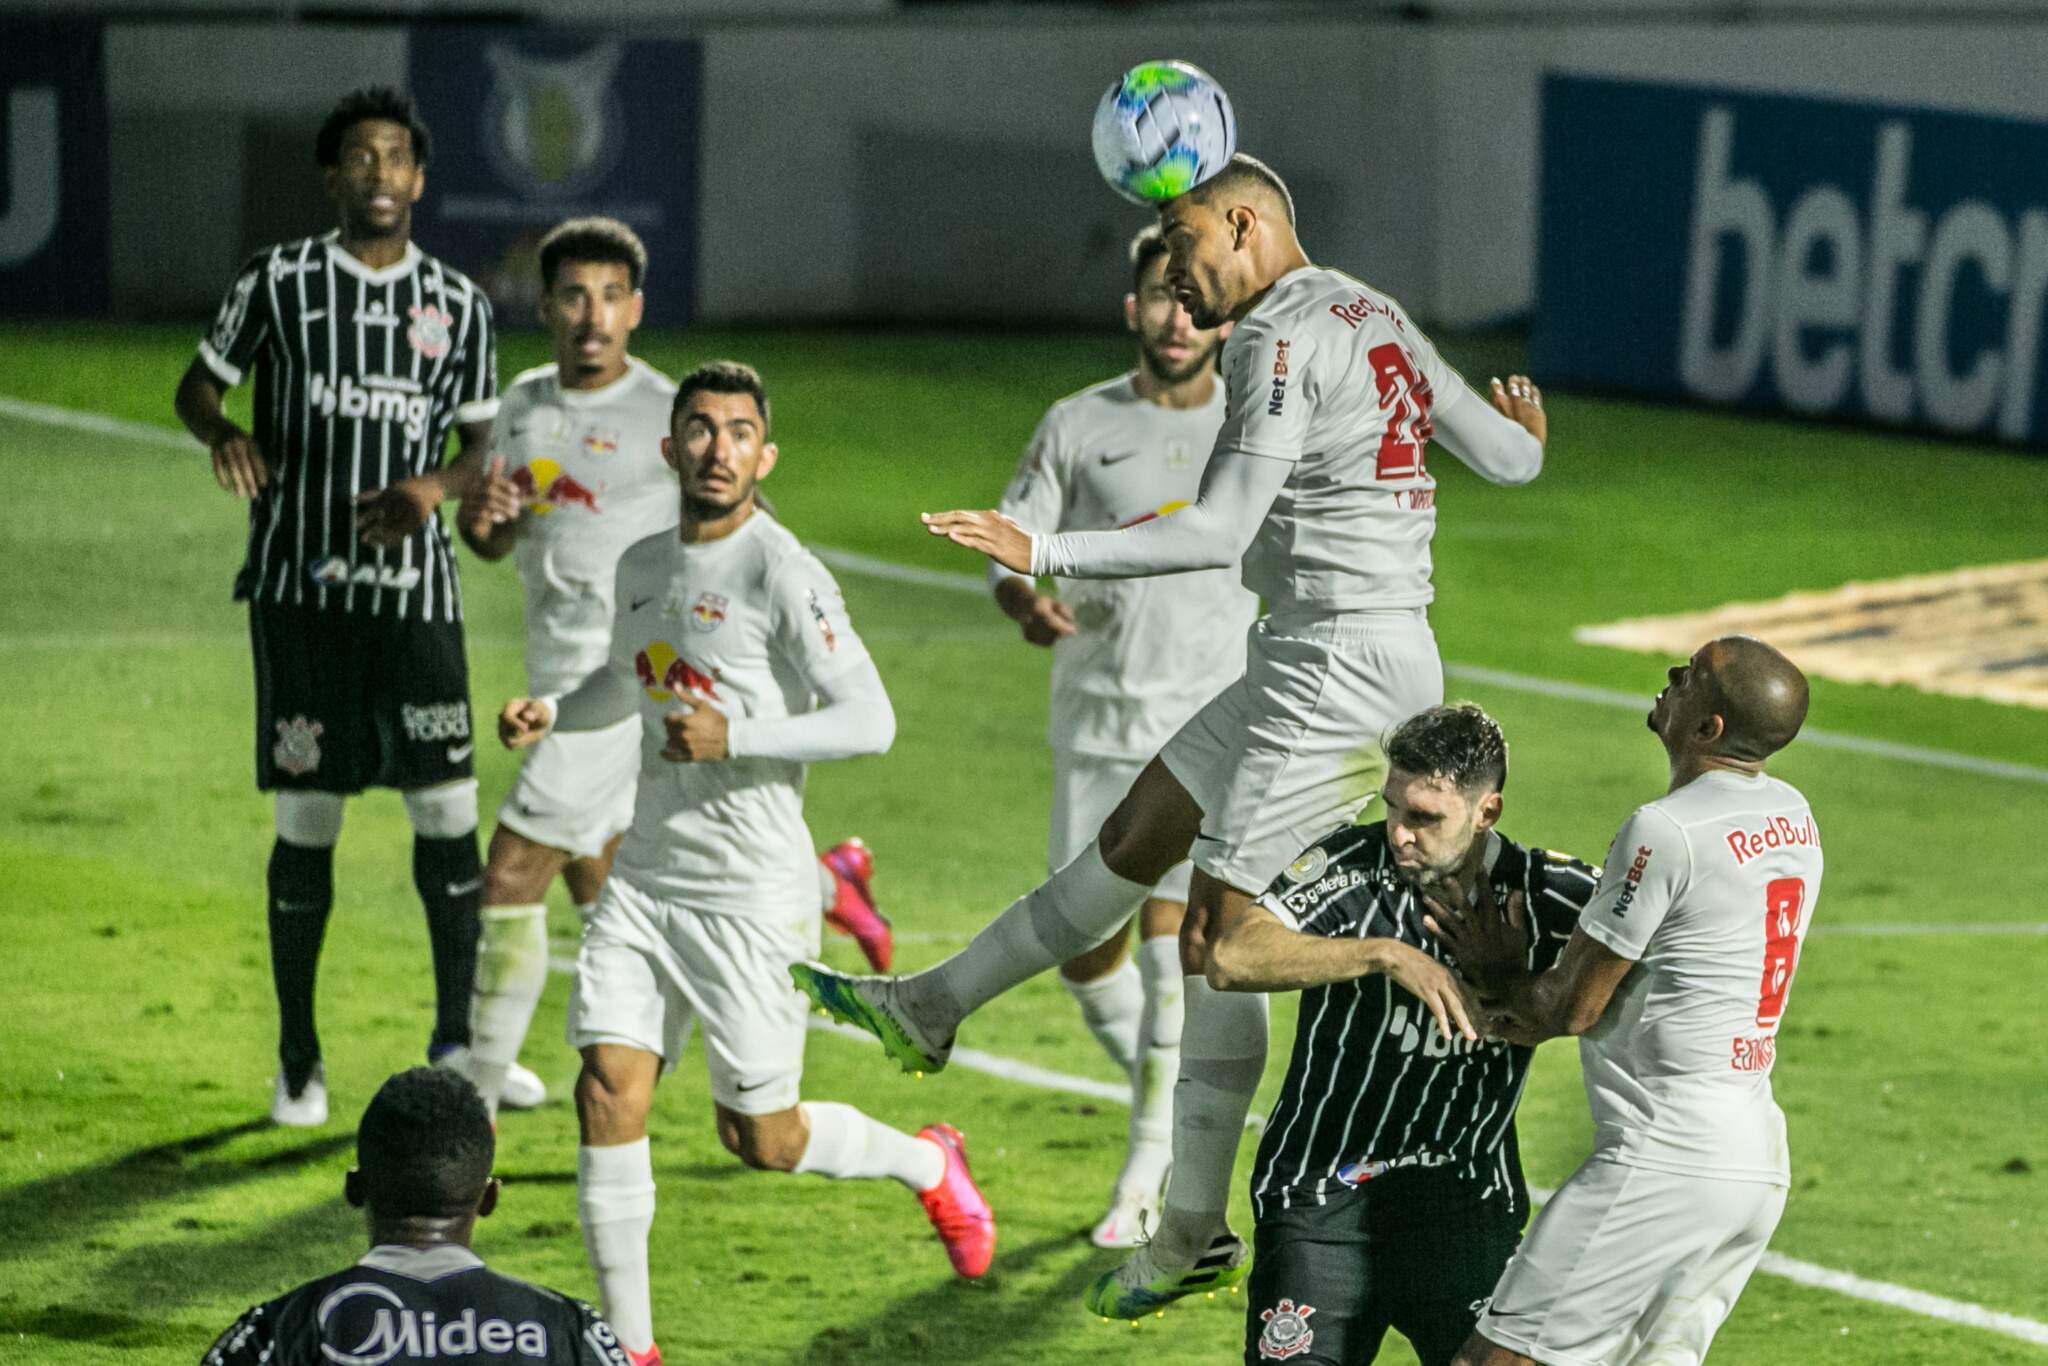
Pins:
x: 360, y: 373
x: 1373, y: 1086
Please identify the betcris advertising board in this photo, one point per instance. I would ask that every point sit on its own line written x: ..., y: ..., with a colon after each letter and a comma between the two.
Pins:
x: 1865, y: 261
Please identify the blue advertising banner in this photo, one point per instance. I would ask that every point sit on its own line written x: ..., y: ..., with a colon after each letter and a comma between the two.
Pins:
x: 532, y: 126
x: 54, y: 226
x: 1768, y: 251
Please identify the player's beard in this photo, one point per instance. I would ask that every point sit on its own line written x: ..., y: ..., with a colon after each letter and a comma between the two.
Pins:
x: 1194, y: 365
x: 706, y: 509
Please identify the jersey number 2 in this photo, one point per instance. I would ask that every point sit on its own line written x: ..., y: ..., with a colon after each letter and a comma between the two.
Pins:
x: 1405, y: 398
x: 1783, y: 900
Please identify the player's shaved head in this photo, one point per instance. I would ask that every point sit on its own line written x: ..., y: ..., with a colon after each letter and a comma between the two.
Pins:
x: 1761, y: 695
x: 424, y: 1147
x: 1246, y: 180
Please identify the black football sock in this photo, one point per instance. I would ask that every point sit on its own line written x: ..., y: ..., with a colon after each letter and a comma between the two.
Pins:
x: 450, y: 880
x: 301, y: 895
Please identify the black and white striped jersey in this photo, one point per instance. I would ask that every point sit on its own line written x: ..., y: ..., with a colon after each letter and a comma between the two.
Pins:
x: 1373, y: 1086
x: 360, y: 374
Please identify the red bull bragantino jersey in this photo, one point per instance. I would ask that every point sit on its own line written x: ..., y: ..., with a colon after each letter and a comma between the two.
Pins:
x: 755, y: 625
x: 360, y: 374
x: 588, y: 466
x: 1711, y: 890
x: 1146, y: 653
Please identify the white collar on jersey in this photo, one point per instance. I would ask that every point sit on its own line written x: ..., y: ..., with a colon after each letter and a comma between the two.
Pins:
x: 1494, y: 846
x: 636, y: 370
x: 340, y: 256
x: 421, y: 1263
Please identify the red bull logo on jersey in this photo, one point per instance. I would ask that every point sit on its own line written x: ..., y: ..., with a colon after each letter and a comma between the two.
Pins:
x: 374, y: 398
x: 545, y: 486
x: 666, y: 675
x: 709, y: 613
x: 601, y: 441
x: 1778, y: 832
x: 430, y: 333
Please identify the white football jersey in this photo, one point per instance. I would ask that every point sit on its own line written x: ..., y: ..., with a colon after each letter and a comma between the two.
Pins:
x: 752, y: 623
x: 588, y: 464
x: 1146, y: 653
x: 1710, y: 889
x: 1330, y: 373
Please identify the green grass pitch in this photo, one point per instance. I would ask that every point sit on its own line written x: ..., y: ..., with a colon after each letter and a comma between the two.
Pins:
x: 143, y: 1202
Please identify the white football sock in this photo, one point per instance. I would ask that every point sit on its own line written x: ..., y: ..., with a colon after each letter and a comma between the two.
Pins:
x: 1158, y: 1070
x: 1110, y: 1007
x: 1222, y: 1055
x: 511, y: 972
x: 1069, y: 913
x: 848, y: 1146
x: 615, y: 1202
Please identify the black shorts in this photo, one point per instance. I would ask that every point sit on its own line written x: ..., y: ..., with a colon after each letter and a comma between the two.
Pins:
x: 346, y: 701
x: 1414, y: 1250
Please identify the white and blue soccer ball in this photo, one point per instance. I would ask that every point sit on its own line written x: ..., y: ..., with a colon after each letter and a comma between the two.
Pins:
x: 1162, y: 129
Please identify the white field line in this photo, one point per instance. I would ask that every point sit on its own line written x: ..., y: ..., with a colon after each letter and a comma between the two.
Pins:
x: 1876, y: 931
x: 870, y: 567
x: 1774, y: 1264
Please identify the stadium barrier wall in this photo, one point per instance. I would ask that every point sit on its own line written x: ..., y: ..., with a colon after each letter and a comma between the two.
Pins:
x: 1824, y: 257
x: 934, y: 163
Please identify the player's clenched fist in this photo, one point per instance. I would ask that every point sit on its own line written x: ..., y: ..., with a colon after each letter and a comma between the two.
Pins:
x: 696, y: 734
x: 492, y: 504
x: 1520, y: 400
x: 523, y: 721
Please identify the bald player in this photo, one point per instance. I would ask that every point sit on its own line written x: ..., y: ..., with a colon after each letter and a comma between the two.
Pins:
x: 1675, y: 982
x: 1317, y: 487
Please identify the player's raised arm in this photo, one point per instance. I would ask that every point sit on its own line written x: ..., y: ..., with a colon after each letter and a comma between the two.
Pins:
x: 814, y: 635
x: 1501, y: 441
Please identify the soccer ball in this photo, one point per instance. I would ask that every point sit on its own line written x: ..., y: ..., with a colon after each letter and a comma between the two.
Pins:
x: 1161, y: 129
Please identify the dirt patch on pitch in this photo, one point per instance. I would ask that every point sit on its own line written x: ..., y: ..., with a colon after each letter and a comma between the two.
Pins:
x: 1980, y: 632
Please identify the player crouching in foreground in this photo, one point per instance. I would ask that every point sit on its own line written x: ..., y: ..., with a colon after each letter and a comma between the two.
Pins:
x: 1388, y: 1190
x: 423, y: 1179
x: 727, y: 636
x: 1676, y: 981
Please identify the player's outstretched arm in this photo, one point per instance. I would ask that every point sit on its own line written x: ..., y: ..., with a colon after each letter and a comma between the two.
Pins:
x: 1254, y: 951
x: 1501, y: 441
x: 1569, y: 999
x: 238, y: 463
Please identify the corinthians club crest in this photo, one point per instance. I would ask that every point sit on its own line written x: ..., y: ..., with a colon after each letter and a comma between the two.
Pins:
x: 553, y: 127
x: 1286, y: 1333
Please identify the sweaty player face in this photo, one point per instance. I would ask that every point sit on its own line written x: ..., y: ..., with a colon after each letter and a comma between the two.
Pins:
x: 719, y: 450
x: 1199, y: 266
x: 590, y: 311
x: 1173, y: 349
x: 376, y: 181
x: 1431, y: 826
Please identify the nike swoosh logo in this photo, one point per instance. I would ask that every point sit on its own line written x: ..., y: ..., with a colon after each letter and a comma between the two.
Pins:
x: 1115, y: 457
x: 464, y: 888
x: 755, y: 1087
x: 457, y: 753
x: 637, y: 604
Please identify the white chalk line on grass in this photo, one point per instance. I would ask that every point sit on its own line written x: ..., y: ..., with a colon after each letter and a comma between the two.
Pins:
x: 869, y: 566
x: 1810, y: 1274
x: 2022, y: 928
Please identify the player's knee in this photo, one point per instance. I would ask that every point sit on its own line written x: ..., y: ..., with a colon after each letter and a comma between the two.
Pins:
x: 311, y: 820
x: 760, y: 1144
x: 443, y: 811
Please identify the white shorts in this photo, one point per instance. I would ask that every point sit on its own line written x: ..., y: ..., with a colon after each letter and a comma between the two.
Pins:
x: 1291, y: 750
x: 575, y: 788
x: 649, y: 968
x: 1629, y: 1265
x: 1085, y: 789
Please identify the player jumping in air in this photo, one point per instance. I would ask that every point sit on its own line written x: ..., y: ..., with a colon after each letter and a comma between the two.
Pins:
x: 1132, y: 660
x: 578, y: 476
x: 366, y: 352
x: 726, y: 637
x: 1675, y: 982
x: 1317, y: 484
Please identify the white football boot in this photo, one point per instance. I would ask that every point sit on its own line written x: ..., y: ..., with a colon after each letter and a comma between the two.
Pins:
x: 522, y: 1089
x: 306, y: 1110
x: 1130, y: 1220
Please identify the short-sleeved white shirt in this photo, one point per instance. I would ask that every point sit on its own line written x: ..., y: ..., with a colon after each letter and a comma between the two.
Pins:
x: 756, y: 625
x: 1710, y: 889
x: 1332, y: 375
x: 589, y: 468
x: 1146, y: 653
